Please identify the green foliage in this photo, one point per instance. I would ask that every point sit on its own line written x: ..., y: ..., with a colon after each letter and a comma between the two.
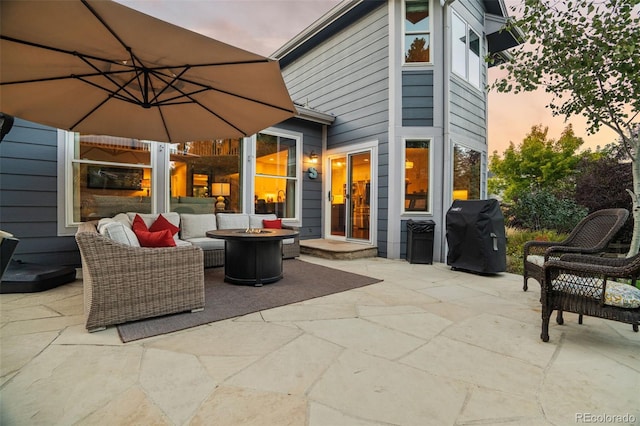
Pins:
x: 541, y: 209
x: 515, y: 243
x: 584, y: 52
x: 537, y: 163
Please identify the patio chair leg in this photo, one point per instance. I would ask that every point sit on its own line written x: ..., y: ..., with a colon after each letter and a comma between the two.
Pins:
x: 544, y: 335
x: 635, y: 327
x: 525, y: 287
x: 580, y: 319
x: 559, y: 318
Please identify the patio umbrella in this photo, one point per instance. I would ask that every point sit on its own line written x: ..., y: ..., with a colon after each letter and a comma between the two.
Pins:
x: 100, y: 67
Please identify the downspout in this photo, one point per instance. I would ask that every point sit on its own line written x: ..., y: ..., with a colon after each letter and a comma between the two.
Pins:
x: 446, y: 127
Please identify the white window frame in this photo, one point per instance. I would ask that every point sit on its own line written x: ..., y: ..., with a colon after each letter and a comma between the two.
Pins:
x: 250, y: 183
x: 429, y: 211
x: 405, y: 33
x: 467, y: 73
x: 66, y: 223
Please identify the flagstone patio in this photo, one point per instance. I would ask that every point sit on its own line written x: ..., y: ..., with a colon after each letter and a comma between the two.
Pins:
x: 427, y: 346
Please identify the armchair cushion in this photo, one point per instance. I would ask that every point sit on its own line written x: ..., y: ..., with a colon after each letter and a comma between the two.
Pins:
x: 616, y: 294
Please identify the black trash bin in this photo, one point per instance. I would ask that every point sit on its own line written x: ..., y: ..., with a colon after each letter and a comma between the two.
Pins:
x: 476, y: 236
x: 420, y: 241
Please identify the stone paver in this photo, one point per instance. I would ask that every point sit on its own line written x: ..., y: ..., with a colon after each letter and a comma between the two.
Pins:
x: 427, y: 346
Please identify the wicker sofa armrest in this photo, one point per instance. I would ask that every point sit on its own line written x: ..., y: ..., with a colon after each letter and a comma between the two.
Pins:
x: 123, y: 283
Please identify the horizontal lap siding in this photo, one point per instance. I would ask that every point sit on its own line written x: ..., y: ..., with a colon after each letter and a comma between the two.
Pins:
x: 468, y: 112
x: 347, y: 76
x: 417, y: 98
x: 468, y: 103
x: 28, y: 195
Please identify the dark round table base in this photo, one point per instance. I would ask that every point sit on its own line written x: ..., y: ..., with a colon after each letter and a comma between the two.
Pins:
x: 253, y: 262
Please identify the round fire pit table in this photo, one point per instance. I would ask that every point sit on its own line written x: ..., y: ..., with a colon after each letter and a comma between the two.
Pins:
x: 252, y: 256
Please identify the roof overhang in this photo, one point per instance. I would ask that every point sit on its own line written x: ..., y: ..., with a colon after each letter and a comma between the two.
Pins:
x: 499, y: 38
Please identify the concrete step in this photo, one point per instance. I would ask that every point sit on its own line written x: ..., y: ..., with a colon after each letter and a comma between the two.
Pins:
x: 331, y: 249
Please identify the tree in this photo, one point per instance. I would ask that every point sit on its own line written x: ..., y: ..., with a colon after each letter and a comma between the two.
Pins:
x: 586, y: 53
x: 537, y: 163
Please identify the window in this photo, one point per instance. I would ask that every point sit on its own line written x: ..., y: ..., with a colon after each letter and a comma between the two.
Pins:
x: 416, y: 176
x: 466, y: 173
x: 417, y: 32
x: 276, y: 178
x: 108, y: 175
x: 205, y: 176
x: 465, y: 46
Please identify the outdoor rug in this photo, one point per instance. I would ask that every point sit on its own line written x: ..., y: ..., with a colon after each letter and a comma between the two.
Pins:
x: 301, y: 281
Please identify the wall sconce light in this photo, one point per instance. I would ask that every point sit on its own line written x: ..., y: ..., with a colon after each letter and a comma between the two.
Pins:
x: 408, y: 164
x: 220, y: 190
x: 313, y: 157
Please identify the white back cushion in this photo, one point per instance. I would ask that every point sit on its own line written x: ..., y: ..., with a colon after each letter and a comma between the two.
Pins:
x: 118, y: 232
x: 255, y: 220
x: 196, y: 225
x: 232, y: 220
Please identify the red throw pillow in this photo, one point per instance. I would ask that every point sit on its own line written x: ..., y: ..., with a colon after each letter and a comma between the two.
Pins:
x: 161, y: 224
x: 272, y: 224
x: 138, y: 224
x: 146, y: 238
x: 156, y: 239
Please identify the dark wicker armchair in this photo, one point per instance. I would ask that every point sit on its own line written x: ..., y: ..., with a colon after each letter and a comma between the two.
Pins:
x: 590, y: 236
x: 591, y: 285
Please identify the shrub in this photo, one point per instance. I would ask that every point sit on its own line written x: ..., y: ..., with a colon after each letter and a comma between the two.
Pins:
x: 541, y: 209
x: 515, y: 243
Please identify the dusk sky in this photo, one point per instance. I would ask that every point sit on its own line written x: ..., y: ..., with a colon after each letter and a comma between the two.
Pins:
x: 262, y: 26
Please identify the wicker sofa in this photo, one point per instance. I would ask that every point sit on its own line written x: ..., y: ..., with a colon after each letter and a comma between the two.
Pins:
x: 592, y: 286
x: 193, y: 228
x: 124, y: 283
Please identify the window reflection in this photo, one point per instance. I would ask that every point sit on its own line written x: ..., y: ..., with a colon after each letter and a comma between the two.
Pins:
x: 205, y: 176
x: 111, y: 175
x: 275, y: 180
x: 466, y: 173
x: 417, y: 31
x: 416, y: 175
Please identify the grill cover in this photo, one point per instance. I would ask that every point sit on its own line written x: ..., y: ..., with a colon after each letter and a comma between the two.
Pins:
x: 476, y: 236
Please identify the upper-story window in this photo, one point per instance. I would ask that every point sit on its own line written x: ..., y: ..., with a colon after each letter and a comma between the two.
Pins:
x: 417, y: 31
x: 465, y: 47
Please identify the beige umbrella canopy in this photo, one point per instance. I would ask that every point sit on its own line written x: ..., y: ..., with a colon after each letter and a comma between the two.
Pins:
x: 100, y: 67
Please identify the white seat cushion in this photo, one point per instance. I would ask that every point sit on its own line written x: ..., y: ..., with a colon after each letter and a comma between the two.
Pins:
x: 196, y: 225
x: 207, y: 243
x: 536, y: 259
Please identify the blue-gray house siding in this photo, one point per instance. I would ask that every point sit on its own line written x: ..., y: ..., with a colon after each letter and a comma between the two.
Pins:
x: 28, y: 195
x: 347, y: 75
x: 417, y: 98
